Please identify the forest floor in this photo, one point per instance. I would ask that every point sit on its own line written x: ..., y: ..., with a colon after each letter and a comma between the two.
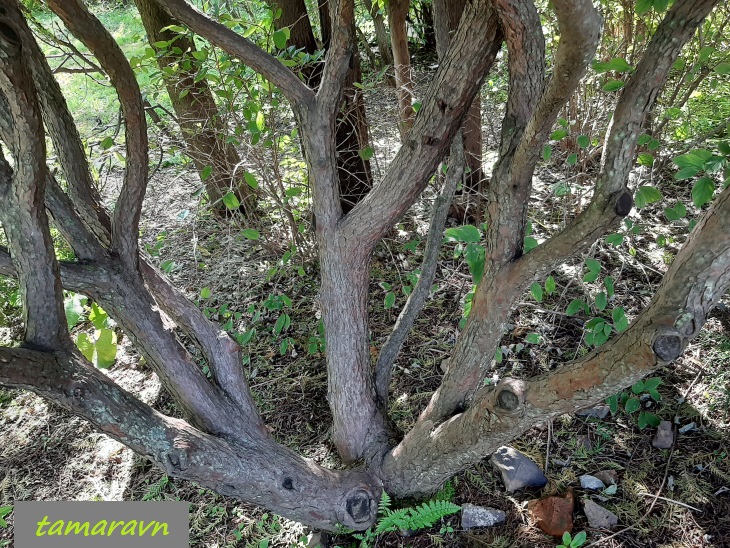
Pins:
x: 679, y: 497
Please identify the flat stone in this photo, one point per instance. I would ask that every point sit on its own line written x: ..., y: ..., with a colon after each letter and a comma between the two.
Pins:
x: 599, y: 517
x: 609, y: 477
x: 591, y: 482
x: 597, y: 412
x: 517, y: 470
x: 473, y: 516
x: 687, y: 428
x: 553, y: 515
x: 664, y: 437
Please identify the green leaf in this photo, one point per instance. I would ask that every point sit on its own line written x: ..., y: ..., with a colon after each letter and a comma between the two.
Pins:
x: 723, y: 69
x: 706, y: 53
x: 167, y: 266
x: 613, y: 404
x: 466, y: 233
x: 475, y: 256
x: 559, y: 134
x: 608, y: 284
x: 105, y: 349
x: 533, y: 338
x: 661, y: 6
x: 601, y: 301
x: 702, y: 191
x: 281, y: 323
x: 251, y: 233
x: 107, y: 143
x: 536, y: 291
x: 572, y: 159
x: 632, y: 405
x: 613, y: 85
x: 690, y: 160
x: 686, y: 173
x: 250, y: 180
x: 547, y: 153
x: 86, y: 345
x: 583, y: 141
x: 646, y: 159
x: 550, y: 285
x: 651, y: 419
x: 656, y: 396
x: 529, y: 244
x: 205, y: 293
x: 175, y: 28
x: 575, y: 306
x: 98, y: 317
x: 260, y: 121
x: 617, y: 64
x: 637, y: 387
x: 231, y: 201
x: 652, y: 383
x: 498, y: 357
x: 615, y: 239
x: 646, y: 195
x: 206, y: 172
x: 593, y: 265
x: 579, y: 539
x: 280, y: 38
x: 366, y: 153
x: 283, y: 347
x: 73, y: 306
x: 389, y: 300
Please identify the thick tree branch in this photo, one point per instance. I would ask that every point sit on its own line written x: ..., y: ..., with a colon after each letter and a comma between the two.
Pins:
x: 298, y: 94
x: 339, y: 56
x: 260, y: 472
x: 417, y: 298
x: 125, y: 221
x: 62, y: 131
x: 697, y: 279
x: 456, y: 82
x: 22, y: 209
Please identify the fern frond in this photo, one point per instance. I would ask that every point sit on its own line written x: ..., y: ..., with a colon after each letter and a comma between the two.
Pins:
x: 394, y: 521
x: 384, y: 505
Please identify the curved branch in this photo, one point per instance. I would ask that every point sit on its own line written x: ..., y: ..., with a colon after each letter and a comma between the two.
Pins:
x: 417, y: 298
x: 260, y: 472
x: 697, y: 279
x: 298, y: 93
x: 125, y: 221
x: 22, y: 209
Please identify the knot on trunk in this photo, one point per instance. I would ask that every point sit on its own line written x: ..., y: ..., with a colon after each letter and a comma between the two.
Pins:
x: 624, y: 203
x: 667, y: 345
x: 509, y: 395
x: 361, y: 509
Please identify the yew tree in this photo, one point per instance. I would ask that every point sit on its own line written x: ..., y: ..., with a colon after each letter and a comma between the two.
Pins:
x: 223, y: 443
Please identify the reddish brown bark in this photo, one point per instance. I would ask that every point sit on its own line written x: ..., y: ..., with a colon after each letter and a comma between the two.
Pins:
x: 397, y: 16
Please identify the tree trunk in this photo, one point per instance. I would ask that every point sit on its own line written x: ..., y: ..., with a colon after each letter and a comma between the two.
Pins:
x: 381, y: 33
x: 447, y: 15
x: 397, y: 15
x: 355, y: 175
x: 203, y: 129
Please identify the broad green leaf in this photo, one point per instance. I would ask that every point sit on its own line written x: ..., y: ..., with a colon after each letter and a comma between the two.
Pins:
x: 206, y: 172
x: 86, y: 345
x: 475, y: 256
x: 670, y: 214
x: 98, y: 317
x: 547, y: 153
x: 601, y: 301
x: 690, y: 160
x: 646, y: 159
x: 643, y: 139
x: 633, y: 405
x: 105, y: 348
x: 651, y: 419
x: 533, y: 338
x: 260, y: 121
x: 73, y: 305
x: 550, y: 285
x: 250, y: 180
x: 617, y: 64
x: 686, y: 173
x: 637, y: 387
x: 613, y: 404
x: 615, y: 239
x: 389, y: 300
x: 281, y: 323
x: 536, y: 290
x: 643, y: 6
x: 583, y: 141
x: 706, y: 53
x: 660, y: 6
x: 498, y: 357
x: 646, y: 195
x: 175, y: 28
x: 280, y: 38
x: 559, y: 134
x: 613, y: 85
x: 723, y: 68
x: 529, y: 244
x: 107, y: 143
x: 702, y: 191
x: 575, y: 306
x: 466, y: 233
x: 251, y: 233
x: 652, y: 383
x: 572, y: 159
x: 593, y: 265
x: 205, y: 293
x: 283, y: 347
x: 231, y: 201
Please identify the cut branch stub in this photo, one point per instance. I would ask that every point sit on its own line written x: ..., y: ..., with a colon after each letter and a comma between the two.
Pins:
x: 509, y: 395
x: 361, y: 506
x: 9, y: 35
x: 624, y: 203
x: 667, y: 345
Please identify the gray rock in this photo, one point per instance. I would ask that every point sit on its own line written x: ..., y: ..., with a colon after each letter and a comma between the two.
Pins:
x: 597, y: 412
x: 599, y: 517
x: 473, y: 516
x: 687, y: 428
x: 591, y: 482
x: 664, y: 437
x: 517, y: 469
x: 609, y: 477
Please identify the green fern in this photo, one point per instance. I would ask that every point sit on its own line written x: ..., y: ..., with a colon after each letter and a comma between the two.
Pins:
x: 384, y: 505
x: 415, y: 519
x: 154, y: 492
